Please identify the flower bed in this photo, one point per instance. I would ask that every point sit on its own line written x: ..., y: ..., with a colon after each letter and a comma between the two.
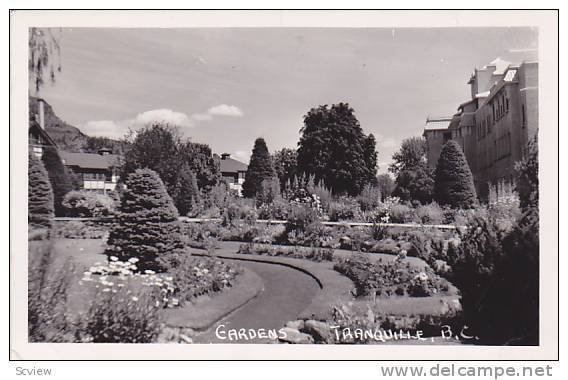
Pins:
x: 313, y: 254
x: 393, y: 278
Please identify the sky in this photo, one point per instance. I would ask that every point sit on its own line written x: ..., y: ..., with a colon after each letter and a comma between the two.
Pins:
x: 226, y: 87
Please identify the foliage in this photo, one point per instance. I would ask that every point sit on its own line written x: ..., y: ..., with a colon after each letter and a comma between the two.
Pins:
x: 82, y: 203
x: 312, y: 253
x: 269, y: 191
x: 285, y: 165
x: 259, y: 169
x: 40, y: 195
x: 527, y: 173
x: 430, y: 213
x: 79, y: 230
x: 277, y: 210
x: 147, y: 227
x: 344, y: 208
x: 187, y: 195
x: 195, y: 276
x: 126, y: 314
x: 158, y: 147
x: 400, y: 213
x: 412, y: 154
x: 58, y: 176
x: 415, y: 185
x: 370, y: 198
x: 386, y: 279
x: 385, y: 185
x: 239, y: 209
x: 95, y: 143
x: 335, y: 150
x: 43, y: 44
x: 453, y: 185
x: 48, y: 284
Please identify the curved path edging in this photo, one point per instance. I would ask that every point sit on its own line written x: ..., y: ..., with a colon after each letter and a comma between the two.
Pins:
x: 334, y: 286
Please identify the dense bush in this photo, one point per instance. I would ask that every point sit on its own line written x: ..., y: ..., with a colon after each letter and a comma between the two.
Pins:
x: 277, y: 210
x: 260, y: 168
x: 431, y: 213
x: 386, y: 279
x: 48, y: 283
x: 239, y: 209
x: 58, y: 176
x: 196, y: 276
x: 269, y: 191
x: 125, y: 315
x: 80, y: 230
x: 313, y: 253
x: 369, y: 198
x: 82, y: 203
x: 147, y: 225
x: 527, y: 173
x: 40, y: 195
x: 400, y: 213
x: 344, y: 209
x: 453, y: 185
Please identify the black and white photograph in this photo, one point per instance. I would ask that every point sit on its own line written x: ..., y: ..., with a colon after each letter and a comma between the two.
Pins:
x: 291, y: 185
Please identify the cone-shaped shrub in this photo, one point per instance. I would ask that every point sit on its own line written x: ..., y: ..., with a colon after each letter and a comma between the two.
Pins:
x: 259, y: 169
x: 59, y: 178
x: 187, y: 191
x: 40, y: 195
x: 453, y: 184
x: 147, y: 226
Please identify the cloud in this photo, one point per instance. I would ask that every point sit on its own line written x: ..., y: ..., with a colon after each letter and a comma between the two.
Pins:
x: 225, y: 110
x: 168, y: 116
x: 106, y: 128
x: 118, y: 128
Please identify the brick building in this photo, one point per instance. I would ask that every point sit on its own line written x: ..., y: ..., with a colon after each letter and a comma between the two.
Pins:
x: 494, y: 125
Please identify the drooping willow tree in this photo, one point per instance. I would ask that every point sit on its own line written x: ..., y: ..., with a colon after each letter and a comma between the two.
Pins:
x: 44, y: 58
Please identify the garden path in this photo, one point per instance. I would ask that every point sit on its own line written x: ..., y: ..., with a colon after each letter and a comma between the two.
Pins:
x: 287, y: 292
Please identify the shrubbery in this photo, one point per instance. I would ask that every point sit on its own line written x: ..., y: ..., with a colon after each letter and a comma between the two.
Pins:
x: 82, y: 203
x: 59, y: 177
x: 147, y: 225
x: 453, y: 185
x: 386, y: 279
x: 40, y: 195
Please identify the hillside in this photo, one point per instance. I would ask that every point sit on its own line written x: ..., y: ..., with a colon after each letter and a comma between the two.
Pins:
x: 69, y: 138
x: 66, y: 136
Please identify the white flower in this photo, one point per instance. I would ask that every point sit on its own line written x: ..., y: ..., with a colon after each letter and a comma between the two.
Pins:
x: 134, y: 299
x: 113, y: 258
x: 149, y: 271
x: 133, y: 260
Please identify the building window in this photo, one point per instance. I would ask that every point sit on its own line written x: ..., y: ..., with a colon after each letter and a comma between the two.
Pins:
x: 524, y: 116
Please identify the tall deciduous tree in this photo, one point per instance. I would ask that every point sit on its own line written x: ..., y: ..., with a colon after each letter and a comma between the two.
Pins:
x: 453, y: 185
x: 411, y: 155
x: 286, y: 165
x: 159, y: 147
x: 260, y: 168
x: 335, y: 150
x: 147, y: 226
x: 385, y: 185
x: 58, y: 176
x: 40, y: 195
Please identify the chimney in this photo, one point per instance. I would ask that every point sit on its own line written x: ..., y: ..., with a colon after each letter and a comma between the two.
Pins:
x: 224, y: 156
x: 41, y: 114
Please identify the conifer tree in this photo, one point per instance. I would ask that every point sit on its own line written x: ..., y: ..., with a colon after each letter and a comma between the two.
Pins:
x: 40, y: 195
x: 259, y: 169
x: 58, y: 176
x: 187, y: 191
x: 147, y: 226
x: 453, y: 181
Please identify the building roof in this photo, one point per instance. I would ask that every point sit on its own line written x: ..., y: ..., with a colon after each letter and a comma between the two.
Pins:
x: 437, y: 123
x: 500, y: 66
x: 90, y: 160
x: 230, y: 165
x: 34, y: 126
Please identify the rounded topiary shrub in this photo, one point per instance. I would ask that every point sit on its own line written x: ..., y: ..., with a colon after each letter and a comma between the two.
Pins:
x: 40, y: 195
x: 453, y: 184
x: 147, y: 226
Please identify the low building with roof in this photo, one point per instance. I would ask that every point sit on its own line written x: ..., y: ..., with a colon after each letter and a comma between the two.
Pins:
x: 98, y: 171
x: 233, y: 171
